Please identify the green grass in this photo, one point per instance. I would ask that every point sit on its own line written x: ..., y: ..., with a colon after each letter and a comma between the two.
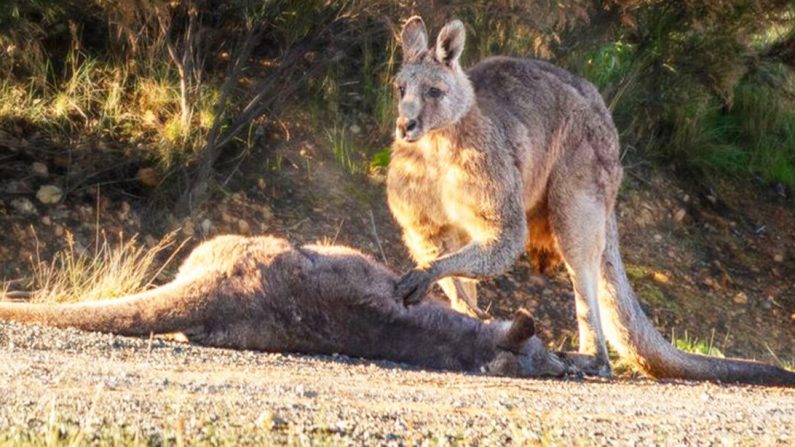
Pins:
x: 696, y: 346
x: 343, y: 147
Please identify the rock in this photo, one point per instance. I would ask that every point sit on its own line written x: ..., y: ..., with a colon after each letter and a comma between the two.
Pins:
x: 24, y: 206
x: 267, y: 213
x: 657, y: 238
x: 711, y: 283
x: 46, y: 220
x: 148, y: 177
x: 660, y: 278
x: 188, y: 229
x: 778, y: 258
x: 537, y: 281
x: 355, y: 129
x: 741, y: 298
x: 124, y: 210
x: 243, y: 226
x: 679, y: 215
x: 49, y: 194
x: 261, y: 184
x: 58, y: 230
x: 40, y: 169
x: 207, y: 225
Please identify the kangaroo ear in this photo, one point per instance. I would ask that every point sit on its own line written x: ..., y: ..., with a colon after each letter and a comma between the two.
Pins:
x: 522, y: 328
x: 413, y: 38
x: 450, y: 43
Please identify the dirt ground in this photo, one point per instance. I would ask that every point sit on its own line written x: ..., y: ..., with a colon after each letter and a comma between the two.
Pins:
x: 92, y: 388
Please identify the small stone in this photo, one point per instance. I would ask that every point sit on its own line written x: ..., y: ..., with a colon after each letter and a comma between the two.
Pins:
x: 679, y: 215
x: 46, y: 220
x: 188, y: 229
x: 243, y: 226
x: 58, y: 230
x: 660, y: 278
x: 267, y: 212
x: 49, y: 194
x: 537, y: 281
x: 124, y: 210
x: 355, y: 129
x: 40, y: 169
x: 207, y: 225
x: 657, y: 238
x: 741, y: 298
x: 148, y: 177
x: 24, y: 206
x: 778, y: 257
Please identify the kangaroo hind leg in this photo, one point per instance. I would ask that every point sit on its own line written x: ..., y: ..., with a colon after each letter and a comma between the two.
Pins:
x: 578, y: 222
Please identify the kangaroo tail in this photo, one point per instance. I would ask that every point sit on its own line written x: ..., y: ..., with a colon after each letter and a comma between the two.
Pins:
x: 632, y: 334
x: 169, y: 308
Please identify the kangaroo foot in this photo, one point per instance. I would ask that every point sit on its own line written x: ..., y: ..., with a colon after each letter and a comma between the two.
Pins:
x: 588, y: 364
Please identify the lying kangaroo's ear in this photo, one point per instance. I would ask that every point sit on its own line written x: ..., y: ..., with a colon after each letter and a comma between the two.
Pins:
x: 522, y: 328
x: 413, y: 38
x: 450, y: 43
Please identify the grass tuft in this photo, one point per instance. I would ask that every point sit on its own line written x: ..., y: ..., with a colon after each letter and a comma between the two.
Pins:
x: 110, y: 270
x: 696, y: 346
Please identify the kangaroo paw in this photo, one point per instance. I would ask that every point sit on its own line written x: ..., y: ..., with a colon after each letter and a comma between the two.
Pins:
x: 588, y: 364
x: 413, y: 286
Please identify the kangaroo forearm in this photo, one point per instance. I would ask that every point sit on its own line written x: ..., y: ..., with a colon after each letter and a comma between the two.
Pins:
x: 479, y: 259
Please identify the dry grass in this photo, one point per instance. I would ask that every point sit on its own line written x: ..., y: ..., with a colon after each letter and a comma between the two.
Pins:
x: 110, y: 270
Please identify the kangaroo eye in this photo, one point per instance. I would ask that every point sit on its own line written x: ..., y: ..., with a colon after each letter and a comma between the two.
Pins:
x: 402, y: 91
x: 434, y: 92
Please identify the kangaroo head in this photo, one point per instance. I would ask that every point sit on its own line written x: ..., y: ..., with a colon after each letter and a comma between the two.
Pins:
x: 522, y: 354
x: 434, y: 90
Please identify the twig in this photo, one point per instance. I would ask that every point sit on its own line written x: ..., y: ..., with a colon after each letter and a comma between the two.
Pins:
x: 18, y: 295
x: 165, y: 264
x: 296, y: 225
x: 375, y: 234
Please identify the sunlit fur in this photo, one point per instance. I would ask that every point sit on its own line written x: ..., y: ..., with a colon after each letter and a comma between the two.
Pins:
x: 530, y: 162
x: 264, y: 294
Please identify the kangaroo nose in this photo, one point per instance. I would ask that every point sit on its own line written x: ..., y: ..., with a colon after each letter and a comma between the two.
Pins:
x: 406, y: 125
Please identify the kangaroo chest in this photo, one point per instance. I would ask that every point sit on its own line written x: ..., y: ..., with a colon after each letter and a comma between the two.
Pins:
x: 431, y: 187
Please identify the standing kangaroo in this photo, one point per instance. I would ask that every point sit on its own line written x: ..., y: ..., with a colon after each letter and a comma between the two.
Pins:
x: 263, y: 294
x: 513, y: 148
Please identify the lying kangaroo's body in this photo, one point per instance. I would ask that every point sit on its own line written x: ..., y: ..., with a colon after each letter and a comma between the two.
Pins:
x: 517, y: 153
x: 263, y: 294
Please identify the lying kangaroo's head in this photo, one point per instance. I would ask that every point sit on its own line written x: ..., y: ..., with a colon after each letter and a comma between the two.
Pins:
x: 434, y: 90
x: 522, y: 354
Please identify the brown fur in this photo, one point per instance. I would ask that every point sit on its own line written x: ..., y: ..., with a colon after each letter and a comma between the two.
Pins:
x: 511, y: 150
x: 263, y: 294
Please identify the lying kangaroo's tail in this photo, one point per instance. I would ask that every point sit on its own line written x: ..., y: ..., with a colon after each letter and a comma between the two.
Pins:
x: 631, y: 333
x: 168, y: 308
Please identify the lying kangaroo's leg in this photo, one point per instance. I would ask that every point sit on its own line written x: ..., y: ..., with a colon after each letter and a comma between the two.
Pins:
x: 578, y: 223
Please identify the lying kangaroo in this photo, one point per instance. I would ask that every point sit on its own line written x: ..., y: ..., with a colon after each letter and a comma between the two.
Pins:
x: 513, y: 148
x: 264, y: 294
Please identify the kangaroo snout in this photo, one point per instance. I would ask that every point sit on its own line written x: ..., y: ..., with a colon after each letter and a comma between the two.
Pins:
x: 408, y: 129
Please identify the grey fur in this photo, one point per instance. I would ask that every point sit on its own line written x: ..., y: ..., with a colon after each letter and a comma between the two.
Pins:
x: 263, y: 294
x: 516, y: 148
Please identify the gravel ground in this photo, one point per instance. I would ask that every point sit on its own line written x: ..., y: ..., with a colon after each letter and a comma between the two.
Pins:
x: 72, y: 387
